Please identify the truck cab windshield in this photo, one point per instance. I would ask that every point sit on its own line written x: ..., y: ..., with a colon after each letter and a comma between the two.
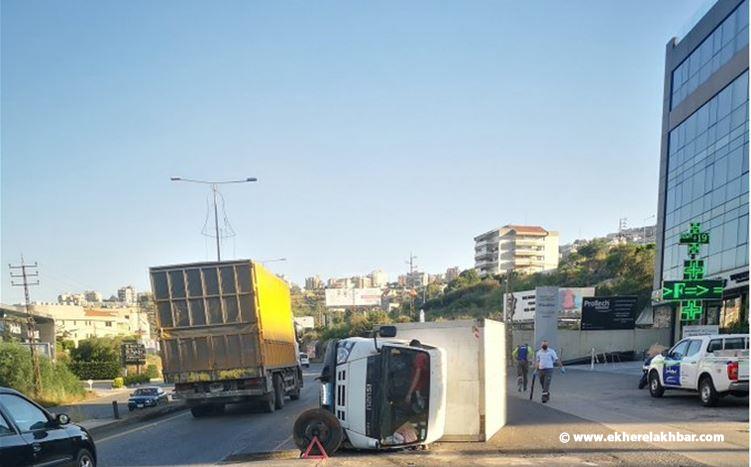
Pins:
x: 405, y: 392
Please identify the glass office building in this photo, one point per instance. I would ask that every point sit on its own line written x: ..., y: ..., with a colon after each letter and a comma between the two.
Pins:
x: 704, y: 159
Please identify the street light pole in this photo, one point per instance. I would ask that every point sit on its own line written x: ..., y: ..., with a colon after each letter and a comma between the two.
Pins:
x: 214, y: 192
x: 216, y: 224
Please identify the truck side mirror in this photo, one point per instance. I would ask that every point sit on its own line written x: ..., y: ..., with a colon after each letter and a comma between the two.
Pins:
x: 387, y: 331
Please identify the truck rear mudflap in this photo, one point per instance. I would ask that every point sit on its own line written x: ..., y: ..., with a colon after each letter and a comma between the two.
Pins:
x: 215, y: 390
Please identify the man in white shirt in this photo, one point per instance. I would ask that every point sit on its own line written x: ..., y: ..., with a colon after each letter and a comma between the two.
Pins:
x: 545, y: 360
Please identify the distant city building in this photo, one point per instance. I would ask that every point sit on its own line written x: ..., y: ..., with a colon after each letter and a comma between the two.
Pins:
x: 344, y: 283
x: 525, y: 249
x: 71, y: 299
x: 313, y: 283
x: 379, y: 278
x: 92, y: 296
x: 362, y: 282
x: 452, y: 273
x: 126, y: 295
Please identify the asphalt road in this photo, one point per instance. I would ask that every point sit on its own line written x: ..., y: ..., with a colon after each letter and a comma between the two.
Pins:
x: 182, y: 439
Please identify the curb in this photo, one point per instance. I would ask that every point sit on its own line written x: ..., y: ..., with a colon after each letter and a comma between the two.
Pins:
x: 260, y: 456
x: 134, y: 419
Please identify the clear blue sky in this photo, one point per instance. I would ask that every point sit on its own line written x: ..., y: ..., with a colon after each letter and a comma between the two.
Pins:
x: 375, y: 128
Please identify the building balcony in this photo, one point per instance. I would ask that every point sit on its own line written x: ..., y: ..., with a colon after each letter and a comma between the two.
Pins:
x: 520, y: 262
x: 528, y: 252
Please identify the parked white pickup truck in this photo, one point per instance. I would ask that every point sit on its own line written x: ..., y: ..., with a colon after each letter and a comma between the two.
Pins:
x: 715, y: 366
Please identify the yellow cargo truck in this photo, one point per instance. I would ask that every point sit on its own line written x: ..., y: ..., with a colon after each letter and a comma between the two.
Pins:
x: 226, y: 334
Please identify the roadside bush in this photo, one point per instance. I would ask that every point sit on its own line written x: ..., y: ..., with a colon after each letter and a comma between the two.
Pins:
x: 118, y: 382
x: 95, y: 370
x: 152, y: 371
x: 136, y: 379
x: 59, y: 384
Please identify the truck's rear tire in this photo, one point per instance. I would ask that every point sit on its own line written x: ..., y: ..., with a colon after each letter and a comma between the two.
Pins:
x: 295, y: 393
x: 200, y: 411
x: 278, y: 391
x: 268, y: 402
x: 707, y: 393
x: 321, y: 424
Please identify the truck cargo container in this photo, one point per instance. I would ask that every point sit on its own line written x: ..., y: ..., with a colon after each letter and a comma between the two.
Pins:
x: 227, y: 334
x: 476, y: 373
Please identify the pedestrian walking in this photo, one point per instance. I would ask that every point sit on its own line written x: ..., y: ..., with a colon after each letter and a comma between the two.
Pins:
x: 545, y: 361
x: 521, y: 358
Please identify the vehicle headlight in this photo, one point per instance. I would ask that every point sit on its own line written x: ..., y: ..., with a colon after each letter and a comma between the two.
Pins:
x: 343, y: 350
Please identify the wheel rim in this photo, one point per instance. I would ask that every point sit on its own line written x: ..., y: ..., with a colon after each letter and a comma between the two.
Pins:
x: 705, y: 392
x: 653, y: 384
x: 86, y: 462
x: 317, y: 429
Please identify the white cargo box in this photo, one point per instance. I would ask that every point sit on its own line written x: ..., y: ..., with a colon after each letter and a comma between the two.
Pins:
x: 476, y: 374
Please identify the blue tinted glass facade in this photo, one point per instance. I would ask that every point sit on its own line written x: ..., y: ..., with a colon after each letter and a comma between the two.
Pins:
x: 707, y: 181
x: 716, y: 50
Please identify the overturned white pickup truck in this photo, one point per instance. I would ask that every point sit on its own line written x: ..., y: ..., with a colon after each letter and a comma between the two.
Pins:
x: 408, y: 386
x: 715, y: 366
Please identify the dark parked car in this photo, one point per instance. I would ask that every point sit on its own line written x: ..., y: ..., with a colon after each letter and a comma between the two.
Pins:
x: 30, y: 435
x: 146, y: 397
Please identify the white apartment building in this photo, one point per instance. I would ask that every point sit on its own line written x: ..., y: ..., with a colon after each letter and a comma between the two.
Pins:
x: 73, y: 322
x: 525, y: 249
x: 126, y: 295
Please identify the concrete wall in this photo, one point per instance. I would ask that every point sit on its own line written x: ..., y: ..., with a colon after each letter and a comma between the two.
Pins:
x: 578, y: 344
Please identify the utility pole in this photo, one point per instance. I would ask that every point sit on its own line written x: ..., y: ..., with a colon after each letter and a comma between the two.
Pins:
x: 411, y: 278
x: 29, y: 271
x: 509, y: 306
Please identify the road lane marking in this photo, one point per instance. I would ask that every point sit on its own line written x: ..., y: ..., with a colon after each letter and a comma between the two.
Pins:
x: 276, y: 448
x: 139, y: 428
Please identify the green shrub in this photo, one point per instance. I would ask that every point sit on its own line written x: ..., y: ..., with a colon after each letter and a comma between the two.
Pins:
x: 118, y: 382
x: 136, y: 379
x: 152, y: 371
x: 59, y: 384
x: 95, y: 370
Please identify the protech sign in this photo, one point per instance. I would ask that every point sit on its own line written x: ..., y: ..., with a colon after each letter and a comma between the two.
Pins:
x: 608, y: 313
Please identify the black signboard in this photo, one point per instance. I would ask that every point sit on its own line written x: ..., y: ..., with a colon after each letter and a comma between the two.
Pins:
x: 133, y: 353
x: 606, y: 313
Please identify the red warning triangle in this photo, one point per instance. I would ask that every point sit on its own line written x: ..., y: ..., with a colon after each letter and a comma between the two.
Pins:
x: 321, y: 452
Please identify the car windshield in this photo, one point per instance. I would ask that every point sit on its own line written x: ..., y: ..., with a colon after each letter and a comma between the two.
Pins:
x: 405, y: 392
x: 146, y: 392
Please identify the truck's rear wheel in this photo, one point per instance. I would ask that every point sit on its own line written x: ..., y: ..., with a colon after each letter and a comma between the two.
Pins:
x: 268, y: 402
x: 200, y: 411
x: 278, y: 391
x: 295, y: 393
x: 318, y: 423
x: 707, y: 392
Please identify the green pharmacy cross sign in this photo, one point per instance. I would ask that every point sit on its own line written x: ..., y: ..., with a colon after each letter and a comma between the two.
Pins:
x: 693, y: 289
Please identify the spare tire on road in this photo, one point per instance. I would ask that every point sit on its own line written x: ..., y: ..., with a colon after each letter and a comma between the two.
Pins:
x: 320, y: 423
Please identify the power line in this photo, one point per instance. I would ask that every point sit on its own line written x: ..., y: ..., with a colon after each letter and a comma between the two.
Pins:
x: 27, y: 272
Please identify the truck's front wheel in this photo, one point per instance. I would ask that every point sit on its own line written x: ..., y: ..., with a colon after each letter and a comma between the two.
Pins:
x: 655, y: 387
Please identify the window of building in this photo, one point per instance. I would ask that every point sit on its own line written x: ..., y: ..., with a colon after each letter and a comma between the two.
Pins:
x: 716, y: 50
x: 108, y: 324
x: 707, y: 181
